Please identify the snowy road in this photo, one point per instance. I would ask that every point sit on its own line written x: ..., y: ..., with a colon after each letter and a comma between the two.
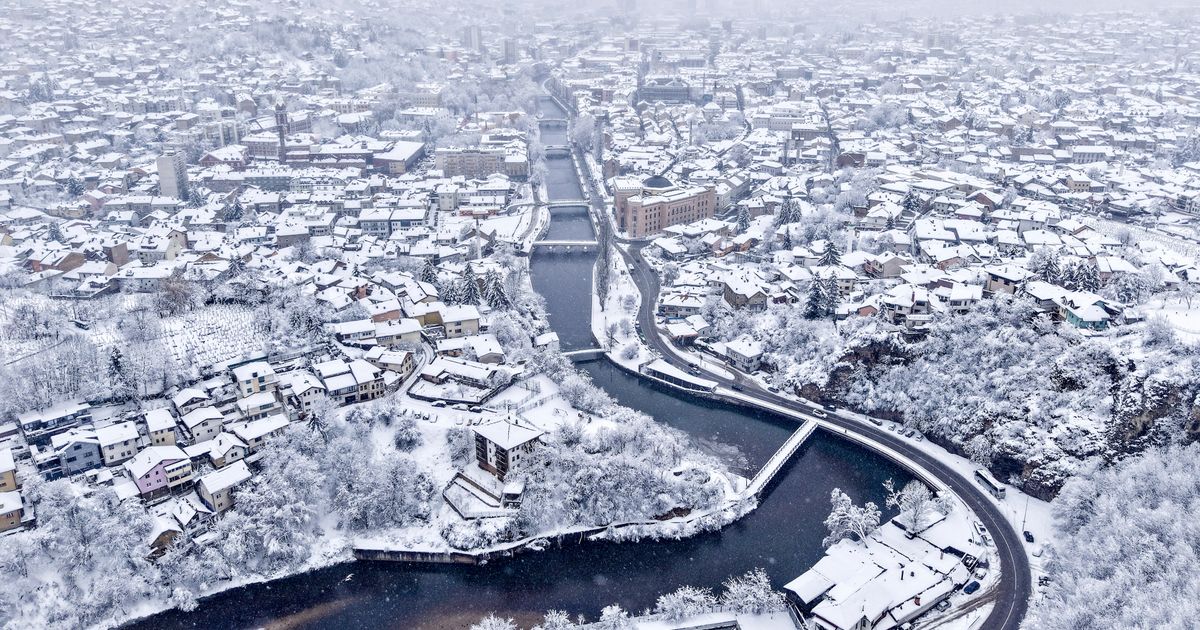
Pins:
x: 1013, y: 590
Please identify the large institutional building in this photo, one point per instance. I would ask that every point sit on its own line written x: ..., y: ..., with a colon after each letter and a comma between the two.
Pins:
x: 645, y: 207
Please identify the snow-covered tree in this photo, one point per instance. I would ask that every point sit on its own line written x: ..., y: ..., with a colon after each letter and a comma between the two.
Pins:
x: 494, y: 291
x: 1088, y: 277
x: 752, y: 594
x: 846, y: 519
x: 815, y: 301
x: 1045, y: 263
x: 469, y: 287
x: 789, y: 212
x: 1124, y: 540
x: 914, y: 501
x: 613, y: 617
x: 234, y: 213
x: 743, y: 219
x: 832, y: 294
x: 555, y: 620
x: 832, y: 256
x: 429, y: 273
x: 74, y: 186
x: 492, y: 622
x: 687, y: 601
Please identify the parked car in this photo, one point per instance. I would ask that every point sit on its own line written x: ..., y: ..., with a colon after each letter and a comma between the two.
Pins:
x: 1028, y: 536
x: 943, y: 605
x: 909, y: 433
x: 831, y: 407
x: 971, y: 588
x: 876, y: 421
x: 439, y: 403
x: 476, y: 409
x: 772, y: 389
x: 891, y: 426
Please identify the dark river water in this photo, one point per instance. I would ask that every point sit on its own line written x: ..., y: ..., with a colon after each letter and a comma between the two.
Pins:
x: 783, y: 536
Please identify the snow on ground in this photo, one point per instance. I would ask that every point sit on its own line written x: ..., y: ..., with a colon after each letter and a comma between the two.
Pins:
x: 1184, y: 320
x: 619, y: 315
x: 212, y: 335
x: 744, y: 621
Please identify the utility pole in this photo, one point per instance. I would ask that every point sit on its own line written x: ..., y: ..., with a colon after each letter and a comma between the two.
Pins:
x: 1026, y: 513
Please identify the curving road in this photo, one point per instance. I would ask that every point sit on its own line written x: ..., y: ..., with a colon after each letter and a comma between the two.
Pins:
x: 1015, y: 584
x: 1012, y: 594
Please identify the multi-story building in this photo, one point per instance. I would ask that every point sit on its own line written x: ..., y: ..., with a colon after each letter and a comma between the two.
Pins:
x: 118, y: 442
x: 471, y: 163
x: 172, y: 174
x: 40, y: 425
x: 500, y: 446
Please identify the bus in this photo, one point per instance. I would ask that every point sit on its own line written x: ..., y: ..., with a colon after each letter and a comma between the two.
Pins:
x: 986, y: 480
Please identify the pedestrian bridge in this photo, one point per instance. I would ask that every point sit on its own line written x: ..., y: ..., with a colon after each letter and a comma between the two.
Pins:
x: 565, y: 246
x: 781, y: 457
x: 557, y: 150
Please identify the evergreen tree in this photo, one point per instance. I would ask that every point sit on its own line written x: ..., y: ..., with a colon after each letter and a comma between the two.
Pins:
x: 74, y: 186
x: 832, y: 256
x: 1069, y: 276
x: 1044, y: 263
x: 789, y: 212
x: 1088, y: 277
x: 429, y: 272
x: 118, y: 375
x: 911, y: 203
x: 891, y: 223
x: 743, y: 219
x: 494, y: 291
x: 234, y: 213
x: 55, y: 233
x: 833, y: 295
x: 469, y: 288
x: 814, y: 302
x: 451, y: 293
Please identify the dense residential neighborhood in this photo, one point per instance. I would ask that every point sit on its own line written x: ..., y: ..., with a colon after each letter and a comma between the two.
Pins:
x: 612, y: 298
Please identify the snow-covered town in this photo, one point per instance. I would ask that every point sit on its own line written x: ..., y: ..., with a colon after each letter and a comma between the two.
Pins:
x: 721, y: 314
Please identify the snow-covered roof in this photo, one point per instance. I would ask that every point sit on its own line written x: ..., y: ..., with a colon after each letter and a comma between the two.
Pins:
x: 508, y: 435
x: 225, y: 478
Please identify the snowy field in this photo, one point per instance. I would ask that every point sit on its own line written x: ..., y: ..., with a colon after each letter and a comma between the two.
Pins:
x: 210, y: 336
x: 1184, y: 320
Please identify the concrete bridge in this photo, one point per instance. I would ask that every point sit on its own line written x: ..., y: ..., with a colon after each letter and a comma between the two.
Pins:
x: 566, y: 246
x: 781, y: 457
x: 562, y: 205
x: 553, y: 123
x: 587, y: 354
x: 557, y: 150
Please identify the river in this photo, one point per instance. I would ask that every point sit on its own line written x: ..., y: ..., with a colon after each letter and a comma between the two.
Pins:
x: 782, y: 536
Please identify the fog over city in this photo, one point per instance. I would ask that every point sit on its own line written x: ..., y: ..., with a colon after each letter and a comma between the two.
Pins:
x: 629, y: 315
